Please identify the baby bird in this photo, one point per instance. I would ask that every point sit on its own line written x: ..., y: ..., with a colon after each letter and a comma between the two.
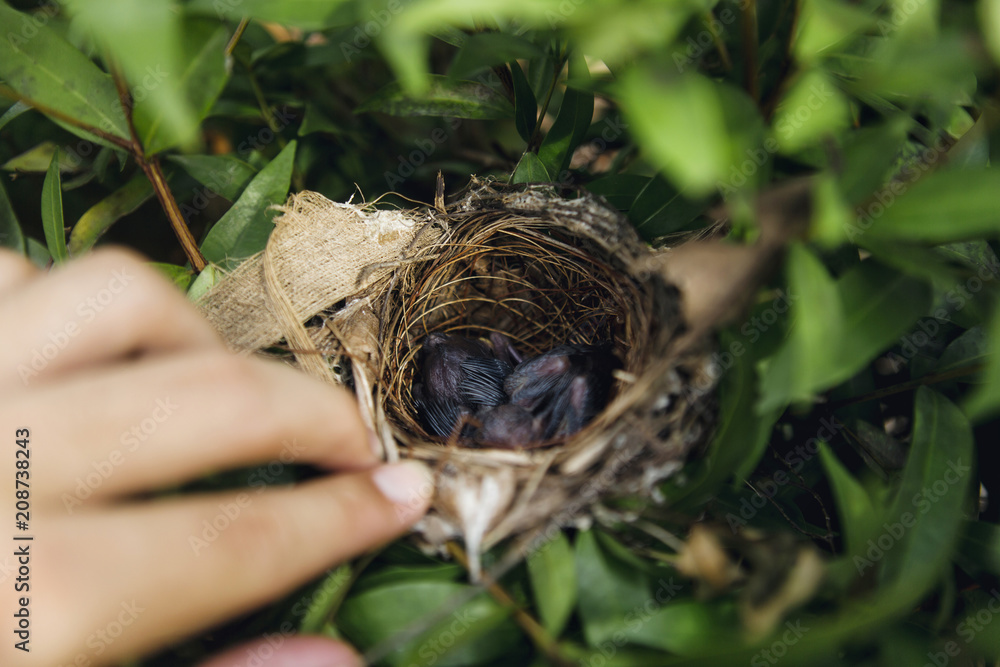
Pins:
x: 460, y: 376
x: 508, y: 427
x: 486, y: 394
x: 564, y: 387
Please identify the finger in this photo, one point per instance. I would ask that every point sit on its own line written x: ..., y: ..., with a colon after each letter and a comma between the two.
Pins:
x: 15, y: 270
x: 279, y: 651
x: 167, y: 420
x: 228, y: 552
x: 105, y: 306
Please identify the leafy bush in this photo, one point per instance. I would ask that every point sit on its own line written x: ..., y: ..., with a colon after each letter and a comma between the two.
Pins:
x: 858, y: 391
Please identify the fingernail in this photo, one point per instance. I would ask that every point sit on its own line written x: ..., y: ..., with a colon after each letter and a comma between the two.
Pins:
x: 407, y: 483
x: 375, y: 444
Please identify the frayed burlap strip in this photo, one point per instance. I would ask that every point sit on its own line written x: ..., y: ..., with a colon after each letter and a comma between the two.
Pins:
x: 321, y: 252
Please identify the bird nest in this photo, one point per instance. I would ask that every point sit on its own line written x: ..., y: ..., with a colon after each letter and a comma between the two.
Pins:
x: 540, y: 268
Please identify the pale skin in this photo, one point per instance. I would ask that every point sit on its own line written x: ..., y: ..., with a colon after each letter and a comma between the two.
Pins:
x: 126, y: 389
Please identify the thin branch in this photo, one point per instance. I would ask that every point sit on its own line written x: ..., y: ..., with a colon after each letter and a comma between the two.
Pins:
x: 909, y: 385
x: 538, y: 635
x: 155, y: 175
x: 749, y: 25
x: 720, y: 44
x: 535, y: 138
x: 768, y: 107
x: 234, y: 40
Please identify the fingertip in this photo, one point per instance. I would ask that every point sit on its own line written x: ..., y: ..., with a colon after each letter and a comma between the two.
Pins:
x: 280, y: 651
x: 353, y: 445
x: 408, y: 485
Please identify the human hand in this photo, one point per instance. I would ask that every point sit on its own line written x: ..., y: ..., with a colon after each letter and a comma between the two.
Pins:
x: 124, y: 389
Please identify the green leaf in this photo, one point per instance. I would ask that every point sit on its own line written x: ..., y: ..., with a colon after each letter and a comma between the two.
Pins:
x: 10, y: 229
x: 525, y: 104
x: 985, y: 402
x: 570, y: 126
x: 880, y: 304
x: 607, y: 590
x: 813, y: 109
x: 660, y: 209
x: 530, y: 170
x: 404, y: 41
x: 99, y: 217
x: 38, y: 158
x: 305, y: 14
x: 52, y: 74
x: 924, y: 521
x: 314, y: 119
x: 224, y: 174
x: 144, y: 39
x: 742, y: 435
x: 13, y: 112
x: 971, y: 347
x: 868, y: 155
x: 38, y: 254
x: 181, y: 276
x: 805, y: 362
x: 946, y: 206
x: 487, y: 49
x: 831, y: 216
x: 209, y: 277
x: 244, y: 229
x: 446, y: 97
x: 52, y: 212
x: 826, y: 23
x: 684, y: 627
x: 477, y: 631
x: 858, y: 517
x: 680, y: 122
x: 979, y: 544
x: 874, y: 304
x: 326, y: 598
x: 405, y: 573
x: 200, y: 80
x: 621, y: 190
x: 553, y: 579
